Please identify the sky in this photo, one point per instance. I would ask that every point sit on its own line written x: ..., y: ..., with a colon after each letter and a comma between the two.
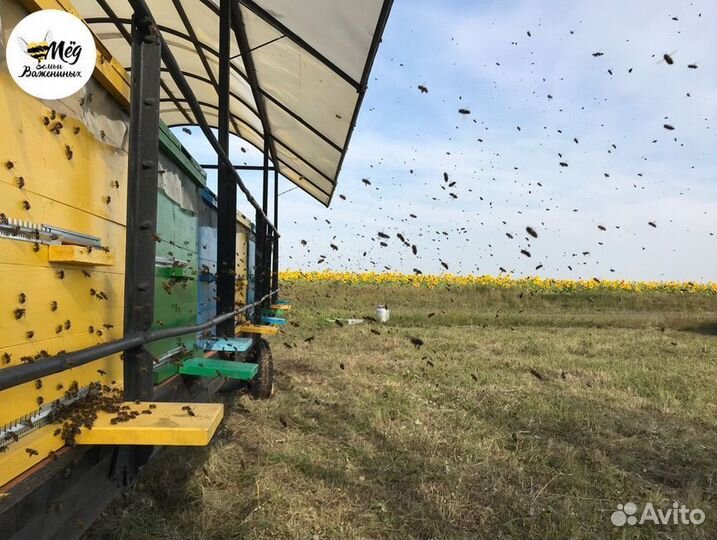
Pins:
x: 634, y: 200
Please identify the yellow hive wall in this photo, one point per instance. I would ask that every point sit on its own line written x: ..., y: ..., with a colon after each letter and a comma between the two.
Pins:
x: 242, y: 237
x: 40, y: 183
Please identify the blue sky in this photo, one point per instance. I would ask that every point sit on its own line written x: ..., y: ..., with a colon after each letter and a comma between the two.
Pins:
x: 505, y: 156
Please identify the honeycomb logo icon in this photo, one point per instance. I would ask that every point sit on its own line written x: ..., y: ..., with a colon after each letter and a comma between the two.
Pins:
x: 625, y: 514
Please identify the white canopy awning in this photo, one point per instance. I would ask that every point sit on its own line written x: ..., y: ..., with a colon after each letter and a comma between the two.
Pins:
x: 311, y: 58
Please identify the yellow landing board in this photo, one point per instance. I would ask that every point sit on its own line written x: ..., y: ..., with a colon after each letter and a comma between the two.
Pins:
x: 80, y: 255
x: 169, y: 424
x: 265, y: 330
x: 282, y: 307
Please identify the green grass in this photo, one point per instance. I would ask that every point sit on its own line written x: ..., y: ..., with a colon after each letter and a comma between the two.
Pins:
x: 474, y: 445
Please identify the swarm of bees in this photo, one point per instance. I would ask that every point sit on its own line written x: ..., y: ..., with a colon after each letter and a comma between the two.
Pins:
x: 83, y: 412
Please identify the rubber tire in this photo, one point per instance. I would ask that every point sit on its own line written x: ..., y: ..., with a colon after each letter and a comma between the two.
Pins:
x: 262, y: 385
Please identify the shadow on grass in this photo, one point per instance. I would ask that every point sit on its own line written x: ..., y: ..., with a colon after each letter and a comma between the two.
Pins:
x: 706, y: 328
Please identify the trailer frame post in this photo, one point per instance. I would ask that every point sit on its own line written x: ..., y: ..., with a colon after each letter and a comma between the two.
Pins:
x: 262, y: 233
x: 267, y: 267
x: 259, y: 235
x: 266, y: 259
x: 275, y: 260
x: 140, y: 249
x: 227, y: 187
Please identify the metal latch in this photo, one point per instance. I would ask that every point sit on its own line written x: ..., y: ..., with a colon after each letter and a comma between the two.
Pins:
x: 26, y: 231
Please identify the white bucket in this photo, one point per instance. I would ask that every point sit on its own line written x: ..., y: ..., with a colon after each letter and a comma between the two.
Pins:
x: 382, y: 314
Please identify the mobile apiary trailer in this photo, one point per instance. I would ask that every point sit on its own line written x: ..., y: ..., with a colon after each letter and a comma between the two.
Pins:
x: 131, y: 291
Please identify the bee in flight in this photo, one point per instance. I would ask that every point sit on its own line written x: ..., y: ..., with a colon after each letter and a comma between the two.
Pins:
x: 667, y: 58
x: 37, y: 49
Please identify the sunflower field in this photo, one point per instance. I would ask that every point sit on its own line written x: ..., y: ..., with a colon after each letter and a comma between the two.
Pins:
x: 503, y: 281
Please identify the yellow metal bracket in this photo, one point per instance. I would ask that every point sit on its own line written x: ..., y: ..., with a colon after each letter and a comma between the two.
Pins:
x: 161, y: 424
x: 282, y: 307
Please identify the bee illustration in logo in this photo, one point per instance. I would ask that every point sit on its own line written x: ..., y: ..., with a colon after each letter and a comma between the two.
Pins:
x: 37, y: 49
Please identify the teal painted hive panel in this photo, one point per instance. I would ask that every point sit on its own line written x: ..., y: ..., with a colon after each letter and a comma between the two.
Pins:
x: 207, y: 238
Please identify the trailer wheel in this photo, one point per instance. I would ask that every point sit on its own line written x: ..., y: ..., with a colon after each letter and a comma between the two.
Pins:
x: 262, y: 385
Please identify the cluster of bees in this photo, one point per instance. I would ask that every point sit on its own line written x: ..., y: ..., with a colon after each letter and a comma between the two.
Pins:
x: 9, y: 436
x: 54, y: 124
x: 169, y: 284
x: 83, y: 412
x: 68, y: 148
x: 7, y: 357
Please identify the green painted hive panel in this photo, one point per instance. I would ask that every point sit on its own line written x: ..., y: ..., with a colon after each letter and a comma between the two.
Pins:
x: 175, y: 283
x: 208, y: 367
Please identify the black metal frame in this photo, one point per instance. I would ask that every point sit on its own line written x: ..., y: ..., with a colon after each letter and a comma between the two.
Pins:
x: 238, y: 167
x: 261, y: 256
x: 83, y: 481
x: 226, y: 187
x: 141, y: 204
x: 148, y: 44
x: 275, y: 260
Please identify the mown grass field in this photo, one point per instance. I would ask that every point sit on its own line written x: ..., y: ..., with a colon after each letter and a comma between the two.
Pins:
x: 523, y: 415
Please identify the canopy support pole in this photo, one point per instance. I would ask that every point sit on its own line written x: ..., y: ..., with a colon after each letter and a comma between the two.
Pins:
x: 140, y: 246
x: 261, y: 261
x: 227, y: 188
x: 275, y: 266
x: 268, y: 240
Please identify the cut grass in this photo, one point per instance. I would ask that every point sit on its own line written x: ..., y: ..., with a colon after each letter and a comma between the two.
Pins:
x: 536, y: 416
